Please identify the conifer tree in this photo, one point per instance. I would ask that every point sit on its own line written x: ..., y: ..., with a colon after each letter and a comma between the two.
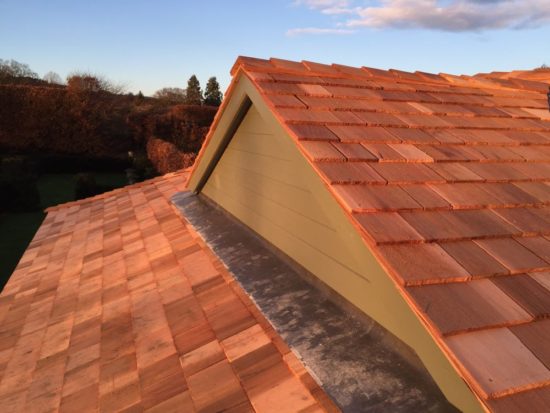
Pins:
x: 212, y: 94
x: 193, y: 94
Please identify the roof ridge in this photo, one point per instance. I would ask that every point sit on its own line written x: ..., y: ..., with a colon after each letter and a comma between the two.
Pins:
x: 307, y: 68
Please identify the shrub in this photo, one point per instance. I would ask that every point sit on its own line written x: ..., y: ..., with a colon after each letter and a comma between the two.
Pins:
x: 18, y: 185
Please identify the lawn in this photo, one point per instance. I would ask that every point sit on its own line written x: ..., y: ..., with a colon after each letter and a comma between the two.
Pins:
x: 18, y: 229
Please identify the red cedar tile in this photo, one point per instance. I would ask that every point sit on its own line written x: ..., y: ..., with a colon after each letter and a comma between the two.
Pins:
x: 458, y: 224
x: 412, y: 136
x: 493, y: 153
x: 313, y: 132
x: 460, y: 307
x: 533, y: 171
x: 321, y: 151
x: 454, y: 172
x: 193, y: 338
x: 323, y: 103
x: 384, y: 153
x: 474, y: 259
x: 163, y: 386
x: 252, y: 364
x: 121, y: 398
x: 423, y: 263
x: 84, y: 400
x: 183, y: 314
x: 349, y: 172
x: 448, y: 153
x: 353, y: 71
x: 80, y: 378
x: 425, y: 196
x: 288, y: 395
x: 216, y: 388
x: 509, y: 194
x: 532, y: 153
x: 496, y: 171
x: 512, y: 254
x: 444, y: 109
x: 282, y: 88
x: 346, y: 81
x: 536, y: 400
x: 537, y: 189
x: 388, y: 107
x: 403, y: 173
x: 445, y: 136
x: 526, y: 137
x: 543, y: 278
x: 285, y: 101
x: 498, y: 361
x: 387, y: 227
x: 288, y: 64
x: 424, y: 121
x: 168, y: 366
x: 363, y: 134
x: 353, y: 92
x: 201, y: 358
x: 527, y: 220
x: 306, y: 78
x: 380, y: 119
x: 180, y: 403
x: 527, y: 292
x: 245, y: 342
x: 320, y: 68
x: 259, y: 76
x: 363, y: 198
x: 348, y: 118
x: 378, y: 72
x: 466, y: 195
x: 535, y: 336
x: 407, y: 75
x: 250, y: 63
x: 411, y: 153
x: 354, y: 152
x: 229, y: 317
x: 538, y: 245
x: 485, y: 137
x: 303, y: 115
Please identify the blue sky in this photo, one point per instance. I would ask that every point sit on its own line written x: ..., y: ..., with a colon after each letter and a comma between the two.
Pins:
x: 152, y: 44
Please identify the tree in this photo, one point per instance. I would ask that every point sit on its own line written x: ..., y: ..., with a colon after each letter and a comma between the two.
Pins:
x: 89, y: 82
x: 171, y: 95
x: 13, y: 68
x: 212, y: 95
x: 83, y: 83
x: 193, y: 95
x: 53, y: 78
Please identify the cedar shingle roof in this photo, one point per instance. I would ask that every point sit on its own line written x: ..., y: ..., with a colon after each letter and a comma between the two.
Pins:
x: 118, y: 305
x: 447, y: 178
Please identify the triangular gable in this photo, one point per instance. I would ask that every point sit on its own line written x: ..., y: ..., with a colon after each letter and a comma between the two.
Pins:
x: 446, y: 180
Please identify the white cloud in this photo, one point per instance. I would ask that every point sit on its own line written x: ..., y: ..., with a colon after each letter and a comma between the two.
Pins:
x: 317, y: 30
x: 327, y: 6
x: 446, y: 15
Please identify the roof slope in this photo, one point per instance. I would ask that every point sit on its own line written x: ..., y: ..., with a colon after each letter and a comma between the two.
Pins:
x: 117, y: 305
x: 447, y: 179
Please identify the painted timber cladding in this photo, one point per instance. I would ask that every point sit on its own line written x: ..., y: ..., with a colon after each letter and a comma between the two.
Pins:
x: 264, y: 181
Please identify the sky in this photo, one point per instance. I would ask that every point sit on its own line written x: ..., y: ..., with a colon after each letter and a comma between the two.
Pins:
x: 147, y: 45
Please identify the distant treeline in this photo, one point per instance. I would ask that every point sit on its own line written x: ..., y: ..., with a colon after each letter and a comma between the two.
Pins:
x: 90, y: 117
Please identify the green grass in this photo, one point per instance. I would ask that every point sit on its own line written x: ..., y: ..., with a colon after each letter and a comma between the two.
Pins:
x: 18, y: 229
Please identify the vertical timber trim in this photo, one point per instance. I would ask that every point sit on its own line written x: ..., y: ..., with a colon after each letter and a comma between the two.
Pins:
x: 224, y: 142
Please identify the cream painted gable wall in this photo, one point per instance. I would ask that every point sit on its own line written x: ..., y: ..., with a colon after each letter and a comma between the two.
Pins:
x: 263, y: 180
